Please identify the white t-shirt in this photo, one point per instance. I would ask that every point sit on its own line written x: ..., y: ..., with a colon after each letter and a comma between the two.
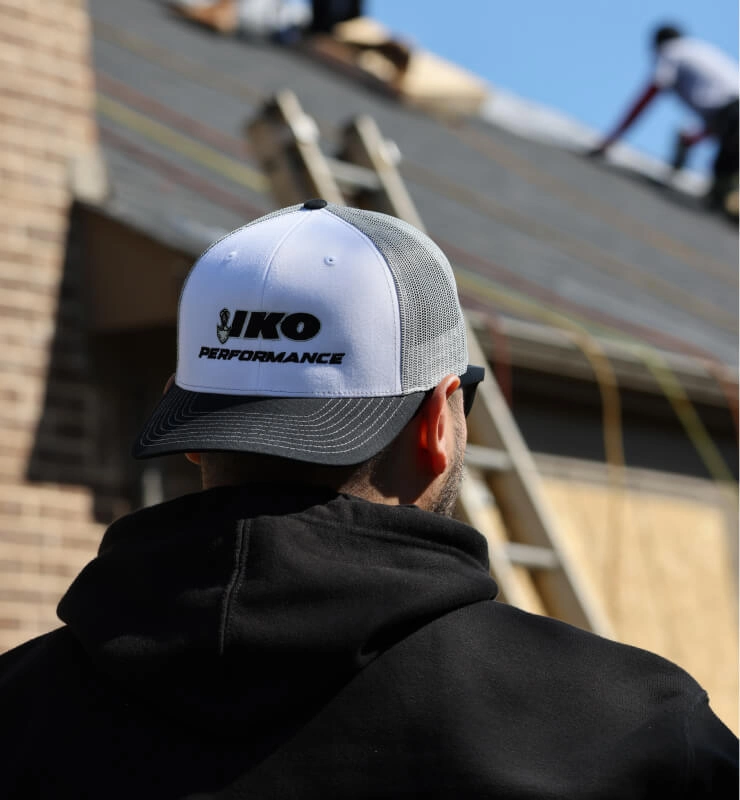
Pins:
x: 265, y: 17
x: 703, y: 76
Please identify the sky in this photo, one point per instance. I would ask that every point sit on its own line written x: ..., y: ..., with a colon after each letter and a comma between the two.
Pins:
x: 586, y: 58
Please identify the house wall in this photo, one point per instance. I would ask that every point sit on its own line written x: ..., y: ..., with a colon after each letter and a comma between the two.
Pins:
x: 47, y: 133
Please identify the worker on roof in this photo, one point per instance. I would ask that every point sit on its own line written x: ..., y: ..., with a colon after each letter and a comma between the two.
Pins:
x: 706, y: 80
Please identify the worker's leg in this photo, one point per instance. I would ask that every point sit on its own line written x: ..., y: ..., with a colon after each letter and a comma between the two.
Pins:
x: 725, y: 167
x: 328, y: 13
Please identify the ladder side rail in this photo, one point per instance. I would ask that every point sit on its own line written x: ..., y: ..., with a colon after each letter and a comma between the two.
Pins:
x: 364, y: 145
x: 286, y: 142
x: 477, y: 508
x: 521, y: 500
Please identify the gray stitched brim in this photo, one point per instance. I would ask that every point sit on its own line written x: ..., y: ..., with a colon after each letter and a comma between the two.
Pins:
x: 318, y: 430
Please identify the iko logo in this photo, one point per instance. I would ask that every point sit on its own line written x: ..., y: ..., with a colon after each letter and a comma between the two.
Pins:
x: 267, y: 325
x: 223, y: 331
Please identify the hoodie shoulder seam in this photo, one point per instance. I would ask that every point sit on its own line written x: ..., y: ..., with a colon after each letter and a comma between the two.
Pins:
x: 240, y: 557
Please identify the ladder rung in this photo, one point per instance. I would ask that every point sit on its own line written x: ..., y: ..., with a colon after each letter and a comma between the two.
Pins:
x: 353, y: 175
x: 530, y: 556
x: 487, y: 458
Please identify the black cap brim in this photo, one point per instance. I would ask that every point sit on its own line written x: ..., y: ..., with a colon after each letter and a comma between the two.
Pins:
x: 328, y: 431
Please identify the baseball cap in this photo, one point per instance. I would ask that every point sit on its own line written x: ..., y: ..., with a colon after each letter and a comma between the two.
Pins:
x: 312, y: 333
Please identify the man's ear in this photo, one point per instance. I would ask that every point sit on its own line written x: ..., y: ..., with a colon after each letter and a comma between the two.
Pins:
x: 436, y: 427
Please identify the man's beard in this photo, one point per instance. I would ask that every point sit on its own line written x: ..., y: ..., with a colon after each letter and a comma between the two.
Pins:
x: 447, y: 498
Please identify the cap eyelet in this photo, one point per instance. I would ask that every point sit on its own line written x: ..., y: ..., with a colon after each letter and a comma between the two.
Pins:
x: 315, y: 204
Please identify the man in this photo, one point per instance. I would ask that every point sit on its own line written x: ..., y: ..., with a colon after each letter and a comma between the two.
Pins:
x: 314, y: 624
x: 706, y: 80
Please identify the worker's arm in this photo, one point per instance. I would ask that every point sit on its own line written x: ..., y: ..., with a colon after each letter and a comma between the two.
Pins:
x: 634, y: 112
x: 690, y: 139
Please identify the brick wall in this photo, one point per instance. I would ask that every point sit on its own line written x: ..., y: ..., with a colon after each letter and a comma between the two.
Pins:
x: 47, y: 527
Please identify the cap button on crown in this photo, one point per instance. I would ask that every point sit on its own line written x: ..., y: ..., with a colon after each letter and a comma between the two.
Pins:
x: 315, y: 203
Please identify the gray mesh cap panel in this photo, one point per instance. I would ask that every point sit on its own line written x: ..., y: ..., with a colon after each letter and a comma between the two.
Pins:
x: 433, y: 339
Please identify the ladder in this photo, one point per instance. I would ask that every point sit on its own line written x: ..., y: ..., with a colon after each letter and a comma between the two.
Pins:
x: 501, y: 494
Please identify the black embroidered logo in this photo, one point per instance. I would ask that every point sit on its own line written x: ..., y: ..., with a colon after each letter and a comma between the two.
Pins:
x: 298, y: 326
x: 223, y: 331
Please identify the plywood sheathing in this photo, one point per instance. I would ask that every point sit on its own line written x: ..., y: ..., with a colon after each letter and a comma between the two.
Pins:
x: 661, y: 553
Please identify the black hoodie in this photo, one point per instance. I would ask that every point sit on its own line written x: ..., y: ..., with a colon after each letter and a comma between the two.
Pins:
x: 258, y: 642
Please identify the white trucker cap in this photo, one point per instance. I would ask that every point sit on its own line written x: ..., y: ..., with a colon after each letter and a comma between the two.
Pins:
x: 312, y: 333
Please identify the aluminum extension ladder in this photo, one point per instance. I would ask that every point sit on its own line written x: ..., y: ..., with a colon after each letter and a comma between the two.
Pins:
x: 501, y: 494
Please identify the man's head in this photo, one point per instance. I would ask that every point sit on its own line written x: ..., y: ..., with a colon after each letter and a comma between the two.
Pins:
x: 665, y: 33
x: 318, y: 342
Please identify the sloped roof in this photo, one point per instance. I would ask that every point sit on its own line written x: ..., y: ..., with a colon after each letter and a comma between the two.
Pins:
x: 534, y: 232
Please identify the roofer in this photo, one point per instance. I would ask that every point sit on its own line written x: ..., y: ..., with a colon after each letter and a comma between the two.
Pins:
x: 706, y: 80
x: 314, y: 623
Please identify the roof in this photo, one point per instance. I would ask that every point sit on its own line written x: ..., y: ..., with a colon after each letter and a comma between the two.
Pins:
x: 535, y: 232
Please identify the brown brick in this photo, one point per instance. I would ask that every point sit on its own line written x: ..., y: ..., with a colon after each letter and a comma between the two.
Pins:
x: 10, y: 565
x: 26, y: 584
x: 34, y: 35
x: 51, y: 89
x: 28, y: 624
x: 45, y: 276
x: 63, y: 570
x: 12, y: 468
x: 18, y: 140
x: 27, y: 595
x: 26, y: 280
x: 18, y: 421
x: 14, y: 439
x: 29, y: 305
x: 54, y: 198
x: 46, y: 118
x: 18, y: 109
x: 26, y: 392
x: 36, y: 170
x: 25, y: 550
x: 67, y: 15
x: 12, y: 533
x: 50, y: 105
x: 64, y: 71
x: 73, y: 498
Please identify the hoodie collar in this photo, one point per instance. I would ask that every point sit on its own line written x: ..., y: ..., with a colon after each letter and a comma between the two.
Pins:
x: 222, y: 603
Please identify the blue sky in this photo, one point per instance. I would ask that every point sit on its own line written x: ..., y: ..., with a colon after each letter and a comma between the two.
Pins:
x: 587, y: 58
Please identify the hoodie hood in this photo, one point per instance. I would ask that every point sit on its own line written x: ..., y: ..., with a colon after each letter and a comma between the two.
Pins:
x: 224, y: 606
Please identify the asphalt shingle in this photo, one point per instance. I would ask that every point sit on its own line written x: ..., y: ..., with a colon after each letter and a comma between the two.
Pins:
x: 521, y: 217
